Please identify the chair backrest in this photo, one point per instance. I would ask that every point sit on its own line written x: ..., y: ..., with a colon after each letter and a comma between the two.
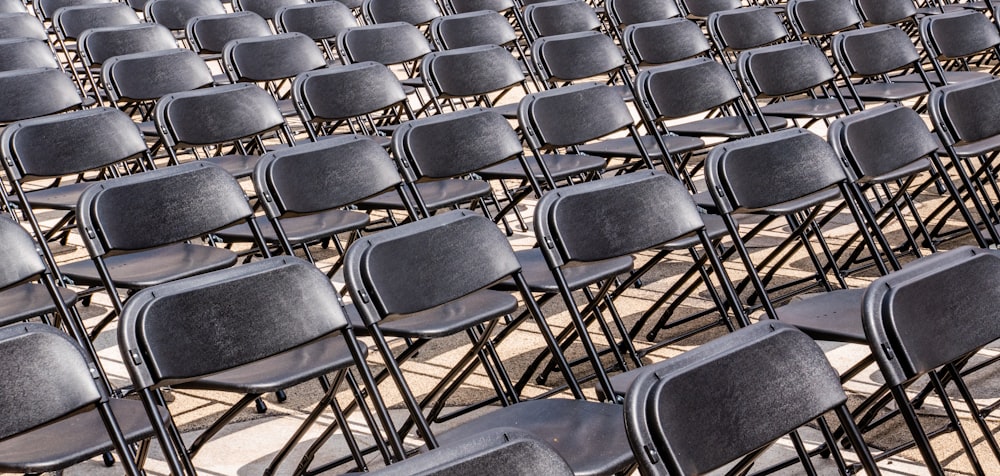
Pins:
x: 784, y: 69
x: 812, y: 18
x: 881, y: 140
x: 664, y: 41
x: 47, y: 8
x: 741, y: 29
x: 927, y: 315
x: 150, y: 75
x: 875, y: 50
x: 265, y: 8
x: 319, y: 20
x: 381, y: 270
x: 346, y: 91
x: 572, y: 115
x: 174, y: 14
x: 25, y: 53
x: 471, y: 71
x: 559, y: 17
x: 271, y: 58
x: 698, y: 9
x: 764, y: 171
x: 20, y: 254
x: 686, y: 88
x: 100, y: 44
x: 499, y: 452
x: 69, y: 22
x: 209, y: 34
x: 631, y: 12
x: 477, y: 28
x: 71, y: 143
x: 216, y: 115
x: 964, y: 112
x: 12, y: 6
x: 454, y: 144
x: 38, y: 92
x: 46, y: 376
x: 159, y: 207
x: 468, y: 6
x: 958, y: 34
x: 886, y: 12
x: 414, y: 12
x: 322, y: 175
x: 386, y: 43
x: 728, y: 397
x: 576, y: 56
x: 22, y: 25
x: 581, y: 223
x: 227, y: 318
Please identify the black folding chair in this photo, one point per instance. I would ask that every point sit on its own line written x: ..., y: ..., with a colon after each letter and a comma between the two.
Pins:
x: 26, y: 53
x: 272, y: 62
x: 321, y: 21
x: 879, y: 63
x: 664, y: 41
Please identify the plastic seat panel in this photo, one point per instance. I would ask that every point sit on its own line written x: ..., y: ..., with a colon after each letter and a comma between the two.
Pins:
x: 151, y: 267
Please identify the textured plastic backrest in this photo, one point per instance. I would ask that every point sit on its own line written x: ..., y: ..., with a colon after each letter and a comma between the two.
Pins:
x: 745, y: 28
x: 630, y: 12
x: 927, y: 315
x: 498, y: 452
x: 878, y: 141
x: 456, y: 144
x: 472, y: 71
x: 22, y: 25
x: 761, y: 172
x: 665, y: 41
x: 215, y: 115
x: 968, y: 110
x: 160, y: 207
x: 174, y: 14
x: 36, y: 92
x: 274, y: 57
x: 347, y: 91
x: 19, y: 253
x: 426, y: 263
x: 319, y: 21
x: 467, y: 6
x: 209, y: 34
x: 559, y: 17
x: 71, y: 143
x: 213, y: 322
x: 25, y: 53
x: 785, y: 69
x: 49, y: 7
x: 12, y: 6
x: 584, y: 223
x: 959, y: 34
x: 823, y: 17
x: 577, y: 55
x: 728, y: 397
x: 265, y: 8
x: 414, y: 12
x: 574, y: 114
x: 327, y: 174
x: 99, y: 44
x: 45, y: 376
x: 687, y: 87
x: 883, y: 12
x: 386, y: 43
x: 472, y: 29
x: 72, y: 21
x: 875, y: 50
x: 151, y: 75
x: 704, y: 8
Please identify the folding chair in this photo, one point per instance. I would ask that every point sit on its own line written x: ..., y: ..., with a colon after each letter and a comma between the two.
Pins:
x: 819, y: 20
x: 321, y: 21
x: 952, y: 40
x: 500, y: 452
x: 56, y: 410
x: 228, y: 123
x: 623, y: 13
x: 70, y: 22
x: 44, y: 9
x: 26, y: 53
x: 482, y: 75
x: 272, y: 62
x: 737, y: 30
x: 403, y: 288
x: 735, y: 396
x: 929, y: 319
x: 22, y: 25
x: 97, y: 45
x: 13, y: 6
x: 252, y: 329
x: 207, y: 35
x: 174, y: 14
x: 398, y: 45
x: 28, y: 93
x: 876, y: 61
x: 699, y: 10
x: 558, y: 17
x: 265, y: 8
x: 415, y: 12
x: 664, y: 41
x: 481, y: 28
x: 888, y: 12
x: 584, y: 56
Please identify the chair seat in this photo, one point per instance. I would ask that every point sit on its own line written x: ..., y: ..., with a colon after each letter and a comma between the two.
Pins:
x: 237, y: 165
x: 902, y: 172
x: 578, y: 274
x: 149, y: 268
x: 625, y: 146
x: 833, y: 316
x: 63, y: 197
x: 729, y: 127
x: 451, y: 317
x: 31, y: 452
x: 590, y: 436
x: 714, y: 225
x: 148, y: 129
x: 282, y: 370
x: 812, y: 108
x: 30, y: 300
x: 561, y: 166
x: 950, y: 77
x: 979, y: 147
x: 300, y: 229
x: 792, y: 206
x: 887, y: 91
x: 436, y: 194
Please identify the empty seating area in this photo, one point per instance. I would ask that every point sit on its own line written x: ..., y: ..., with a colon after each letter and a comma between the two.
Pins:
x: 447, y: 237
